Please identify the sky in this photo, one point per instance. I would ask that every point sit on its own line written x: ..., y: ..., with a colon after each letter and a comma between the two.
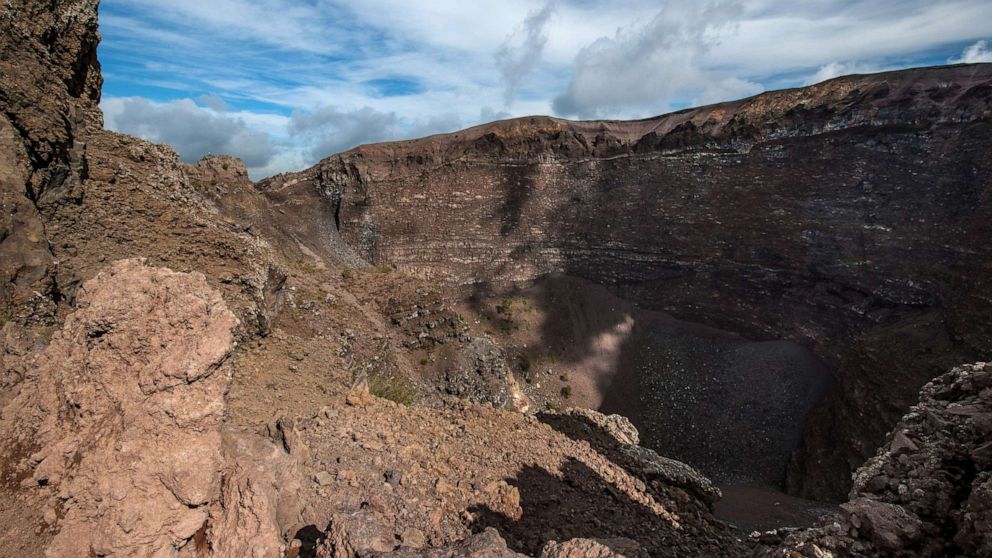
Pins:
x: 285, y: 83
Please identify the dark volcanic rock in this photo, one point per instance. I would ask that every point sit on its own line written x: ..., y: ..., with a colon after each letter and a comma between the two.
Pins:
x: 851, y: 216
x: 50, y: 81
x: 49, y: 89
x: 927, y: 491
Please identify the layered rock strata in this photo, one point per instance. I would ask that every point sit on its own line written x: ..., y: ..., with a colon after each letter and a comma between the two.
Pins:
x: 849, y: 216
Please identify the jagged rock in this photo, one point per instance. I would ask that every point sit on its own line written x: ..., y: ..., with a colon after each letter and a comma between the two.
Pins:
x: 926, y: 492
x: 17, y: 346
x: 479, y: 374
x: 25, y: 260
x: 647, y: 464
x: 593, y: 548
x: 125, y: 407
x: 487, y: 544
x: 355, y: 535
x: 259, y: 499
x: 618, y: 427
x: 50, y: 83
x: 888, y: 526
x: 219, y: 172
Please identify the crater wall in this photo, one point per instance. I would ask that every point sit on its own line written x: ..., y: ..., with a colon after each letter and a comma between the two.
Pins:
x: 852, y: 217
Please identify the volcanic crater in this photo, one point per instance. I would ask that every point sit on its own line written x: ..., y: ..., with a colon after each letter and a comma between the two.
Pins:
x: 762, y: 285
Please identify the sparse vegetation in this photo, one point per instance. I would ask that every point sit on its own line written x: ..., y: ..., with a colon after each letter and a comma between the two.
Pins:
x: 552, y: 406
x: 566, y: 392
x: 524, y: 361
x: 6, y: 317
x: 382, y: 269
x: 396, y: 389
x: 304, y: 267
x: 505, y: 308
x: 347, y: 273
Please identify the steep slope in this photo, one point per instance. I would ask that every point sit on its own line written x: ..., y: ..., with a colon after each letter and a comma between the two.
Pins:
x: 190, y: 367
x: 850, y: 217
x: 928, y: 489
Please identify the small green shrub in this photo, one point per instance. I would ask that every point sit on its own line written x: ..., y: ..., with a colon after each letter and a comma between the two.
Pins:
x: 347, y: 273
x: 524, y: 363
x: 566, y: 392
x: 305, y: 267
x: 505, y: 308
x: 398, y: 390
x: 552, y: 406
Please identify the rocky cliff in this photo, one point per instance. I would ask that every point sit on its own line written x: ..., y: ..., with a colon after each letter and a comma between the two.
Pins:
x: 189, y: 367
x: 850, y: 217
x: 193, y: 366
x: 49, y: 89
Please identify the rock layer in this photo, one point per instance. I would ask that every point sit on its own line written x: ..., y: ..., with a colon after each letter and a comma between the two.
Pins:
x: 850, y: 216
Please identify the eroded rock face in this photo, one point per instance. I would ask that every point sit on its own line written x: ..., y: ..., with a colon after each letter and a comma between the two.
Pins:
x: 123, y: 413
x: 850, y: 216
x: 49, y: 91
x: 927, y: 491
x: 50, y: 82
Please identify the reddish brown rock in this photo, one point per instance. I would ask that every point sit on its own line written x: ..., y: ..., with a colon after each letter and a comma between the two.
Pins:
x: 125, y: 408
x: 593, y: 548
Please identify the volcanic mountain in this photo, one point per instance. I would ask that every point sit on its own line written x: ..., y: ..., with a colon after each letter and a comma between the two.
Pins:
x: 427, y: 348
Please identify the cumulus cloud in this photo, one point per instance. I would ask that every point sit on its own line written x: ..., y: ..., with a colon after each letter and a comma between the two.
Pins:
x: 213, y: 102
x: 522, y: 50
x: 978, y: 52
x: 837, y: 69
x: 192, y: 130
x: 644, y: 68
x: 329, y: 130
x: 488, y: 114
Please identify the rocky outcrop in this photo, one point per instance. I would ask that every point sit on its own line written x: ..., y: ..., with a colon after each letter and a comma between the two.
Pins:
x: 928, y: 490
x: 487, y: 544
x: 615, y: 437
x: 849, y: 216
x: 593, y: 548
x: 25, y: 260
x: 123, y: 411
x: 50, y: 83
x: 49, y: 90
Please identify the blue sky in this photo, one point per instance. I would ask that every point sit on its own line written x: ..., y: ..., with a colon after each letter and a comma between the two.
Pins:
x: 284, y: 83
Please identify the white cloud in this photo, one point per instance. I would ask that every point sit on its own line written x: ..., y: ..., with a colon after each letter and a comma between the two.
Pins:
x: 623, y: 58
x: 978, y: 52
x: 643, y: 68
x: 522, y: 51
x: 192, y: 130
x: 328, y: 130
x: 213, y: 102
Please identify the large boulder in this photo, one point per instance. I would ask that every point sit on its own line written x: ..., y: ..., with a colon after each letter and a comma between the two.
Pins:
x: 121, y: 414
